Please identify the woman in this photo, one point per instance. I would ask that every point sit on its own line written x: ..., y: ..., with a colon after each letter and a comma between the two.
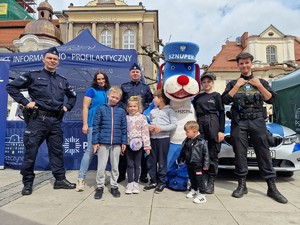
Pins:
x: 94, y: 97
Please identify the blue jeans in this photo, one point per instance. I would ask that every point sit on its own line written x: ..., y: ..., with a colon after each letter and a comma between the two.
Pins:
x: 87, y: 156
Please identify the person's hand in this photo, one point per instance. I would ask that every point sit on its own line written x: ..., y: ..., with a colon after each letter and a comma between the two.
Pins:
x: 220, y: 137
x: 241, y: 82
x: 85, y: 129
x: 151, y: 128
x: 96, y: 147
x: 123, y: 148
x: 205, y: 168
x: 157, y: 129
x: 255, y: 82
x: 30, y: 105
x: 65, y: 109
x: 147, y: 151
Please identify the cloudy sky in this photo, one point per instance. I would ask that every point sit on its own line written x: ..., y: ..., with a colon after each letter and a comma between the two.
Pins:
x: 209, y: 23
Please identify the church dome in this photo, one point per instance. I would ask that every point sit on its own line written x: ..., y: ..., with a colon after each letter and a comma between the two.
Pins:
x: 43, y: 26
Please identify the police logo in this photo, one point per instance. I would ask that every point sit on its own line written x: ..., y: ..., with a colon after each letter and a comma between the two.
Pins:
x: 182, y: 48
x: 72, y: 145
x: 248, y: 87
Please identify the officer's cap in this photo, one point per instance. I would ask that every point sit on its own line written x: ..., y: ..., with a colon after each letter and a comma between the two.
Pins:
x: 207, y: 75
x: 52, y: 50
x: 135, y: 67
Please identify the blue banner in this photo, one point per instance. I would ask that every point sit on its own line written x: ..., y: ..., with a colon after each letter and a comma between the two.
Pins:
x: 4, y: 73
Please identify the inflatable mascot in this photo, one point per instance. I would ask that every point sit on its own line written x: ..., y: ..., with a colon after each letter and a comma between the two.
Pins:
x: 180, y: 80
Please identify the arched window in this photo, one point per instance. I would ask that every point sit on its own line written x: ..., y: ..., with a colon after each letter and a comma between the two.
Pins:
x: 106, y: 38
x: 128, y: 39
x: 271, y: 54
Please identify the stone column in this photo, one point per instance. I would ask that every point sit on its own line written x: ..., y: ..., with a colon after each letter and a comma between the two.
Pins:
x: 94, y: 30
x: 70, y: 36
x: 140, y: 40
x: 117, y: 35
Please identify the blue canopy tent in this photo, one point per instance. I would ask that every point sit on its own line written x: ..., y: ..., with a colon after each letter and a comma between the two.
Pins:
x: 79, y: 60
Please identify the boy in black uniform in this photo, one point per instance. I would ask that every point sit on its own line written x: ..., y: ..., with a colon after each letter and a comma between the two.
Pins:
x: 45, y: 111
x: 195, y: 154
x: 248, y: 94
x: 211, y: 119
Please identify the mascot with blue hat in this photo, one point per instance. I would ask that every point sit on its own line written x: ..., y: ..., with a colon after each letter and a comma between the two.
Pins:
x: 180, y: 80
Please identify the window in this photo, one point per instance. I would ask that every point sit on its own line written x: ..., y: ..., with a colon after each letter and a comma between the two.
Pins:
x: 106, y: 38
x: 128, y: 39
x: 271, y: 54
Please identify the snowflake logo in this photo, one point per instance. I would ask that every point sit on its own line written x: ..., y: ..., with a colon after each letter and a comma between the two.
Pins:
x: 72, y: 145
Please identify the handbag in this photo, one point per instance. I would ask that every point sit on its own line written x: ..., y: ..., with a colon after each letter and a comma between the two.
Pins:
x: 178, y: 179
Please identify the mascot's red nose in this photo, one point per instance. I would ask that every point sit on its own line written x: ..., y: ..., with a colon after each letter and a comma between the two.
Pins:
x: 183, y: 80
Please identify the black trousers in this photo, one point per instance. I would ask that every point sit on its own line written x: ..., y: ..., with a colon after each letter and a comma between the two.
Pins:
x: 209, y: 128
x: 158, y: 158
x: 38, y: 130
x: 133, y: 164
x: 196, y: 178
x: 123, y: 165
x: 257, y: 131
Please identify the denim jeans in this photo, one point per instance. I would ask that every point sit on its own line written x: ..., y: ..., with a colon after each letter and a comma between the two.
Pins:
x: 87, y: 156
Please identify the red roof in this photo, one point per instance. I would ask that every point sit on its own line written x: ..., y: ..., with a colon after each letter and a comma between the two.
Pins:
x: 225, y: 59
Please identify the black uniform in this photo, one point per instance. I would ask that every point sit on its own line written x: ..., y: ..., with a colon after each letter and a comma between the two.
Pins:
x: 47, y: 90
x: 194, y: 152
x: 248, y: 122
x: 132, y: 89
x: 211, y: 119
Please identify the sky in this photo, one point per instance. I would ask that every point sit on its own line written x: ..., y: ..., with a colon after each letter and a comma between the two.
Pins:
x: 209, y: 23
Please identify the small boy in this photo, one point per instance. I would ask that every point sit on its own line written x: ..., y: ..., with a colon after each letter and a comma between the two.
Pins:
x: 195, y: 154
x: 109, y: 139
x: 163, y: 122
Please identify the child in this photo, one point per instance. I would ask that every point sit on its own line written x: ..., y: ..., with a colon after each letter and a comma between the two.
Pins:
x: 163, y: 121
x: 195, y: 154
x: 109, y: 139
x: 211, y: 119
x: 138, y: 137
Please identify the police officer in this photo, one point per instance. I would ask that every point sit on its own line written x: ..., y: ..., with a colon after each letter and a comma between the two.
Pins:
x: 248, y: 94
x: 45, y: 110
x: 132, y: 88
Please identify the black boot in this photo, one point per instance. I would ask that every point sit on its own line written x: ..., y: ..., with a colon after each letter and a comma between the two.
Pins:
x: 274, y: 193
x: 241, y: 189
x: 210, y: 187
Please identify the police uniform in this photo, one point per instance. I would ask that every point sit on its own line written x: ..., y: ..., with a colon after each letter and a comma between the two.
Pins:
x: 248, y: 121
x: 47, y: 90
x: 132, y: 89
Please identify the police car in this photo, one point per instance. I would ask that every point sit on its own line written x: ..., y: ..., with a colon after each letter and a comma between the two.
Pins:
x: 284, y: 150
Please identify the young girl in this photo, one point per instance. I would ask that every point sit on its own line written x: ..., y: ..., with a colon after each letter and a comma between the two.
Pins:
x: 138, y: 137
x: 211, y: 119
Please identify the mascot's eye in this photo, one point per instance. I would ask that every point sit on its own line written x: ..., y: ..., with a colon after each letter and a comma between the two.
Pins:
x: 172, y: 67
x: 189, y: 67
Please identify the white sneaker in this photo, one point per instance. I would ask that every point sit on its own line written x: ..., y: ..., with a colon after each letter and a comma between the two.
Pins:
x: 129, y: 188
x: 191, y: 194
x: 200, y: 198
x: 80, y: 185
x: 135, y: 188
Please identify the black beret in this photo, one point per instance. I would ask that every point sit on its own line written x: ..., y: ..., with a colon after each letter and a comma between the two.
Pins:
x: 52, y: 50
x: 135, y: 67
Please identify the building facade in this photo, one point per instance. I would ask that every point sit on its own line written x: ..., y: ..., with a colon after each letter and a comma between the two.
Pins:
x: 114, y: 24
x: 275, y: 55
